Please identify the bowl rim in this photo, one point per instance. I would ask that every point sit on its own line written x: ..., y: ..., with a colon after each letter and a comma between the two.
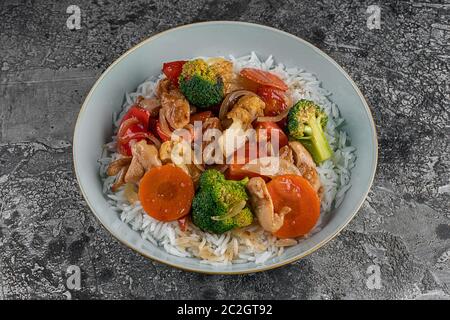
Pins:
x: 262, y: 27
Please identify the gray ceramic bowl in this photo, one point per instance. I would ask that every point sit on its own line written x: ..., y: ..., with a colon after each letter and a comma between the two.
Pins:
x: 93, y: 127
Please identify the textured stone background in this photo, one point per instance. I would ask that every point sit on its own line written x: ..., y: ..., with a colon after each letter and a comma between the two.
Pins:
x: 46, y: 71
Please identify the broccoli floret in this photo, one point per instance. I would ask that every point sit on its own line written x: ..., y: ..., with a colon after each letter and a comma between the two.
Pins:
x: 306, y: 123
x: 215, y: 199
x: 200, y: 84
x: 244, y: 218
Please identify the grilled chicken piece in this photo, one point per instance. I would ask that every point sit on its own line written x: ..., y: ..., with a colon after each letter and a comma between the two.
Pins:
x: 120, y: 179
x: 247, y: 109
x: 176, y: 108
x: 118, y: 168
x: 164, y: 86
x: 145, y: 157
x: 165, y: 151
x: 135, y: 171
x: 262, y: 206
x: 306, y: 165
x: 117, y: 165
x: 286, y: 154
x: 173, y: 104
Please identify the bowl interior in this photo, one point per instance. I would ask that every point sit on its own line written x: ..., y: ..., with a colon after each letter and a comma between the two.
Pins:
x: 94, y: 127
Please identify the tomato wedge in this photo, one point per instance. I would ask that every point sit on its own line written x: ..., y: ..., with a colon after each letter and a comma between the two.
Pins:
x: 172, y: 70
x: 166, y: 193
x: 274, y: 99
x: 139, y: 113
x: 296, y: 193
x: 272, y: 126
x: 130, y: 129
x: 264, y: 78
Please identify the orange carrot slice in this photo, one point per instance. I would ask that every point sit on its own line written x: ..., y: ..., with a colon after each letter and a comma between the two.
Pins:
x: 166, y: 193
x: 296, y: 193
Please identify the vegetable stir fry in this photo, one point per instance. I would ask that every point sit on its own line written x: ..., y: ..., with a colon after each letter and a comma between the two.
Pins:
x: 223, y: 150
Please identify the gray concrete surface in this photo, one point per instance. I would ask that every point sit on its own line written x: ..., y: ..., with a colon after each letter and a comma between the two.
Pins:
x: 403, y: 227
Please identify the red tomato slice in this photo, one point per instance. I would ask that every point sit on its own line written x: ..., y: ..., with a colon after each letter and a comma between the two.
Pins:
x: 172, y: 70
x: 264, y: 78
x: 139, y: 113
x: 130, y: 129
x: 269, y: 126
x: 274, y: 99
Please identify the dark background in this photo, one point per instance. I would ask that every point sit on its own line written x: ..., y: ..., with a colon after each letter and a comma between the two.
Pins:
x: 403, y: 227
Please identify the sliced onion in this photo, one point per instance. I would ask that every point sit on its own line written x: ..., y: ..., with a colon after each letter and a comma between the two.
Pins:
x: 234, y: 210
x: 134, y: 136
x: 154, y: 140
x: 276, y: 118
x: 125, y: 125
x: 125, y: 138
x: 163, y: 123
x: 257, y: 166
x: 231, y: 99
x: 287, y: 242
x: 289, y: 101
x: 140, y: 136
x: 120, y: 179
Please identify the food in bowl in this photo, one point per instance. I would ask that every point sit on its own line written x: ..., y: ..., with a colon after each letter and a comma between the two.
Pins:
x: 227, y: 160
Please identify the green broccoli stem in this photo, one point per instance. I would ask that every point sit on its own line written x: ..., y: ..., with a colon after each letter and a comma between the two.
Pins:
x: 316, y: 143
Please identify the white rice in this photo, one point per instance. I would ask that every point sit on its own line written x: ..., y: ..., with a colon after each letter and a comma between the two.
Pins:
x: 250, y: 243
